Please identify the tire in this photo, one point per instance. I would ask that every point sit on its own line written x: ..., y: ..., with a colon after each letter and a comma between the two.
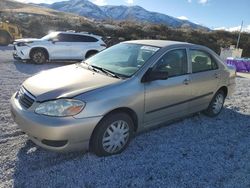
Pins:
x: 112, y: 135
x: 90, y: 53
x: 4, y: 38
x: 216, y: 105
x: 39, y: 56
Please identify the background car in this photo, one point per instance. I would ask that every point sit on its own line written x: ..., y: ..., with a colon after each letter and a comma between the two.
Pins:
x: 124, y: 89
x: 58, y: 46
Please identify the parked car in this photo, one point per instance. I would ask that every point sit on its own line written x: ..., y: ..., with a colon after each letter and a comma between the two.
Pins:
x: 58, y: 46
x: 129, y: 87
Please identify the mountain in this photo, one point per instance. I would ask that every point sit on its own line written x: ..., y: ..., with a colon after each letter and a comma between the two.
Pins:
x: 80, y: 7
x: 10, y: 6
x: 35, y: 21
x: 119, y: 13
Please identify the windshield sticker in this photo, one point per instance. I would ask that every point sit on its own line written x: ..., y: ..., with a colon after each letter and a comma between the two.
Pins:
x: 150, y: 48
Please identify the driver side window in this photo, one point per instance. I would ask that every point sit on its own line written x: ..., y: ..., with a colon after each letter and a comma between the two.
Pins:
x: 173, y: 62
x: 64, y: 37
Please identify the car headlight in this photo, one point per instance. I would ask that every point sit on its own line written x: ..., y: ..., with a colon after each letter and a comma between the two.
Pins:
x: 60, y: 107
x: 24, y: 43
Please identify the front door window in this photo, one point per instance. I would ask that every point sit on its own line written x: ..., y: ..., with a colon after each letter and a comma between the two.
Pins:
x: 173, y: 62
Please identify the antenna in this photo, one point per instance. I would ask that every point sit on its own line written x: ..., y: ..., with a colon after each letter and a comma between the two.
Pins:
x: 238, y: 41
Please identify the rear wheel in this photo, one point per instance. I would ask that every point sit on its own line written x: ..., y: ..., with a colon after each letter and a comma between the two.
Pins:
x: 112, y: 135
x: 90, y: 53
x: 39, y: 56
x: 4, y: 38
x: 216, y: 104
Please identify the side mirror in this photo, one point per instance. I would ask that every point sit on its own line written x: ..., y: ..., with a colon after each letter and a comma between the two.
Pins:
x: 154, y: 75
x: 54, y: 40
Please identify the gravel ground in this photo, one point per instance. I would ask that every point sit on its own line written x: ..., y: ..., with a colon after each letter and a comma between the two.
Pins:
x: 195, y: 152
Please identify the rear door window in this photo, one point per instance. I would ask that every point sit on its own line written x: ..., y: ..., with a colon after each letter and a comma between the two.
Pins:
x: 202, y: 61
x: 83, y: 38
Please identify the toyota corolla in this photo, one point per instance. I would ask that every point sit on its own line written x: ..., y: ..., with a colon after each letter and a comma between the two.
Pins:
x: 99, y: 104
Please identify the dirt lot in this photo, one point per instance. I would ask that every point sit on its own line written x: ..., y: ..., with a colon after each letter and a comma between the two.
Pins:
x: 195, y: 152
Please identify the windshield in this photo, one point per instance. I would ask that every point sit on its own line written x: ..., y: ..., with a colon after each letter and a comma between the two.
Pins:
x: 50, y: 36
x: 123, y: 59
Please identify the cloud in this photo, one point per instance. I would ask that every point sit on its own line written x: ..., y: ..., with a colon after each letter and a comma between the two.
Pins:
x: 233, y: 29
x: 100, y: 2
x: 220, y: 28
x: 203, y: 2
x: 130, y: 1
x: 182, y: 18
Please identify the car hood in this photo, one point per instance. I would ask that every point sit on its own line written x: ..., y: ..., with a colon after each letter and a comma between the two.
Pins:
x: 27, y: 40
x: 66, y: 81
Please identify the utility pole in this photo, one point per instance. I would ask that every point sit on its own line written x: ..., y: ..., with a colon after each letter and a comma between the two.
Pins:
x: 238, y: 41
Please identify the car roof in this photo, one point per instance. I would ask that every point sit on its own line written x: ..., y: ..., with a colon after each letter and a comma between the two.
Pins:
x: 157, y: 43
x: 79, y: 33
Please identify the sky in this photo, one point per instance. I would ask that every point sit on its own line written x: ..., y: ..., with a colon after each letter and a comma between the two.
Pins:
x: 215, y: 14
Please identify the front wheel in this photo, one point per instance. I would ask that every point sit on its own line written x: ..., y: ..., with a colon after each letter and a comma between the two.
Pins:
x: 216, y: 104
x: 39, y: 56
x: 90, y: 54
x: 112, y: 135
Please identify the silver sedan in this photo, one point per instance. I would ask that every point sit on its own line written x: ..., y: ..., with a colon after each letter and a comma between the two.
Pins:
x: 99, y: 104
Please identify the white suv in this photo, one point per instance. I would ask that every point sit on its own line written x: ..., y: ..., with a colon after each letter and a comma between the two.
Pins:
x: 58, y: 46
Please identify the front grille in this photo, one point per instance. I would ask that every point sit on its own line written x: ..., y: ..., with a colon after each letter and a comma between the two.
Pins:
x: 25, y: 98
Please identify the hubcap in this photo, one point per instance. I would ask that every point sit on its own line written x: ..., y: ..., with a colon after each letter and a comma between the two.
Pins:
x: 116, y: 136
x: 38, y: 57
x: 218, y: 103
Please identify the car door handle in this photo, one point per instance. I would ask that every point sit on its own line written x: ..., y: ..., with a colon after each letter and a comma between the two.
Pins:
x: 186, y: 81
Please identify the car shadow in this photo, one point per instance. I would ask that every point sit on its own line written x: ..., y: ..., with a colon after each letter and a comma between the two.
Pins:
x: 195, y: 147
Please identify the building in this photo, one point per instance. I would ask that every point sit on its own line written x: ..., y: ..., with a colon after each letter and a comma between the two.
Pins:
x: 230, y: 52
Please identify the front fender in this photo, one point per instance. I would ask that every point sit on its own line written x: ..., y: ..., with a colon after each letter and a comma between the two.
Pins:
x: 102, y: 101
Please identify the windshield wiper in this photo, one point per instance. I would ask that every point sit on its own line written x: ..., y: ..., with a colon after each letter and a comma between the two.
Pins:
x: 106, y: 71
x: 89, y: 67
